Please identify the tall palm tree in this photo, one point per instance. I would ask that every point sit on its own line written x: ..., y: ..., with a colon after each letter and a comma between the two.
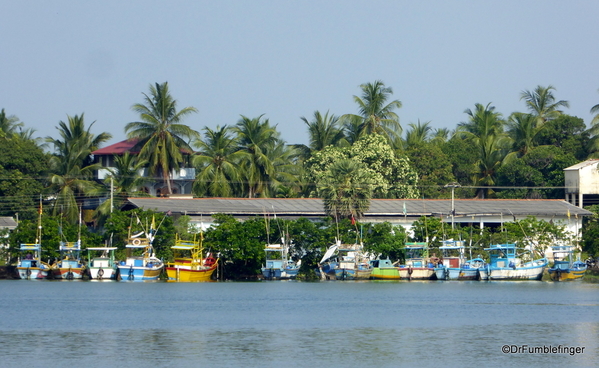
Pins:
x: 72, y: 165
x: 595, y: 110
x: 542, y: 104
x: 161, y: 135
x: 217, y: 162
x: 378, y: 115
x: 323, y: 131
x: 485, y: 129
x: 255, y: 138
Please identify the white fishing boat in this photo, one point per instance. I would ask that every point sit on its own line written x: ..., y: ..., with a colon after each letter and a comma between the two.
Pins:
x: 417, y: 264
x: 506, y: 264
x: 101, y: 264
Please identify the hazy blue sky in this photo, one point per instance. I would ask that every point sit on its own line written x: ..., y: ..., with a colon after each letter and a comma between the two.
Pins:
x: 286, y: 59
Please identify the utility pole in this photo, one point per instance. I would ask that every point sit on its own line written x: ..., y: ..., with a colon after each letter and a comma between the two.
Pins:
x: 452, y: 186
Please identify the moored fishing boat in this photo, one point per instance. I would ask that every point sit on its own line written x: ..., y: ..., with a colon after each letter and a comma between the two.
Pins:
x: 278, y: 265
x: 417, y: 264
x: 353, y: 263
x: 328, y: 263
x: 474, y: 269
x: 564, y: 267
x: 189, y: 263
x: 101, y: 264
x: 30, y: 265
x: 384, y: 269
x: 69, y: 266
x: 141, y: 263
x: 505, y: 264
x: 140, y: 267
x: 449, y: 266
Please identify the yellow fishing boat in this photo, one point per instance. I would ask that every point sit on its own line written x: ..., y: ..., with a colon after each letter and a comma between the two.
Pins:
x: 190, y: 264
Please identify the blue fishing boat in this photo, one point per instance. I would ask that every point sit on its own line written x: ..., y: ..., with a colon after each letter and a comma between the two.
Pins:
x: 30, y: 265
x: 506, y: 264
x: 452, y: 258
x: 564, y: 267
x: 141, y: 263
x: 278, y: 264
x: 474, y: 269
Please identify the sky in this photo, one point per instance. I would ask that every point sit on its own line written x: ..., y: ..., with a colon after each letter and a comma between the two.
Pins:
x: 288, y: 59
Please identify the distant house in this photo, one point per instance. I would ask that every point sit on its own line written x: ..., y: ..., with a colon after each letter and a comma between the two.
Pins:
x: 181, y: 180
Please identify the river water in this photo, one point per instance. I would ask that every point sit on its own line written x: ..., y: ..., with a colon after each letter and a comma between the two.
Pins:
x: 298, y: 324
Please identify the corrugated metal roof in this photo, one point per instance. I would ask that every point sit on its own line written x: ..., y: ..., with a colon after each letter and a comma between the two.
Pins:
x: 378, y: 207
x: 7, y: 223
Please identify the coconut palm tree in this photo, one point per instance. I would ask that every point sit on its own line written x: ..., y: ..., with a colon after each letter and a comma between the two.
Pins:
x: 323, y: 131
x: 161, y: 135
x: 542, y: 104
x: 595, y: 110
x: 485, y: 129
x: 255, y: 138
x: 217, y: 162
x: 378, y: 115
x: 72, y: 166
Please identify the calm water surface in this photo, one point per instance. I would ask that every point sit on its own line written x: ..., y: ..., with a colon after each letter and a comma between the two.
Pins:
x: 296, y: 324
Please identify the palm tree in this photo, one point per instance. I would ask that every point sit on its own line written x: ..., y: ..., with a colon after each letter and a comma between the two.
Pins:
x: 523, y: 130
x: 594, y: 110
x: 378, y: 116
x: 161, y: 135
x: 255, y: 138
x: 217, y: 162
x: 8, y: 124
x: 542, y: 104
x: 323, y: 130
x: 417, y: 134
x: 345, y: 190
x: 485, y: 129
x: 73, y: 167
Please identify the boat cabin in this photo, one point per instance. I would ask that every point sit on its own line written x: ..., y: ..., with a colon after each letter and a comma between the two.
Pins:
x: 417, y: 254
x: 503, y: 255
x: 31, y: 254
x: 452, y: 252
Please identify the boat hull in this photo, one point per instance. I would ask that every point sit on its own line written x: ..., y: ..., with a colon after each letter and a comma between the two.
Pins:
x: 131, y: 273
x: 68, y: 273
x: 567, y: 274
x: 279, y: 273
x: 352, y: 274
x: 447, y: 273
x: 102, y: 273
x: 32, y: 273
x: 183, y: 274
x: 417, y: 273
x: 385, y: 273
x: 528, y: 271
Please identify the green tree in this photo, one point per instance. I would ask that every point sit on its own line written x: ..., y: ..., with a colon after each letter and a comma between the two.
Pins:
x: 346, y: 190
x: 485, y: 130
x: 23, y: 169
x: 417, y: 134
x: 523, y: 130
x: 8, y: 124
x: 255, y: 138
x: 433, y: 167
x: 590, y: 232
x: 566, y: 132
x: 378, y: 115
x: 323, y: 131
x: 161, y: 135
x: 72, y: 166
x: 217, y: 162
x: 542, y: 103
